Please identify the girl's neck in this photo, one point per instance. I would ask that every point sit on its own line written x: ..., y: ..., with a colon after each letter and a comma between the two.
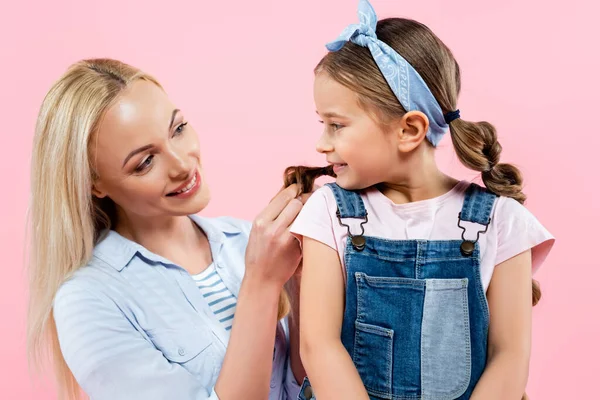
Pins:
x: 418, y: 179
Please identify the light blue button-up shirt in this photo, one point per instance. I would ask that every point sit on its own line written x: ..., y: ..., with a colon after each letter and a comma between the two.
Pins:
x: 133, y: 325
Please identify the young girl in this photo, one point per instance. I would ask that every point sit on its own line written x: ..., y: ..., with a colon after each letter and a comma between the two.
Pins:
x: 414, y: 285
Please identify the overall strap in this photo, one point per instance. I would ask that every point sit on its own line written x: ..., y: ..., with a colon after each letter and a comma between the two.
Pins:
x: 349, y: 203
x: 477, y: 208
x: 478, y: 205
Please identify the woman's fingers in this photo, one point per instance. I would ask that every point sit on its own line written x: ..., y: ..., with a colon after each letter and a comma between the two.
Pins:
x: 278, y: 204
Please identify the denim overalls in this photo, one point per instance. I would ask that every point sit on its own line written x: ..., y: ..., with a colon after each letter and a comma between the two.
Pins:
x: 416, y: 316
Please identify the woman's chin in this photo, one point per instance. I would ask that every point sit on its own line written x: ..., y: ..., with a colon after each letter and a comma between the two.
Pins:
x: 197, y: 205
x: 190, y: 205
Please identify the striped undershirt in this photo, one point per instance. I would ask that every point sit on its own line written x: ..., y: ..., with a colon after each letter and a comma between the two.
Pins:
x: 220, y: 300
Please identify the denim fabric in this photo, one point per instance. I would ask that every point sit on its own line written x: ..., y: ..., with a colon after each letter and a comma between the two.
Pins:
x: 416, y: 317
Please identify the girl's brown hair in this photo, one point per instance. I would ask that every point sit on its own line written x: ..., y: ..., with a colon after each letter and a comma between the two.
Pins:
x: 475, y: 143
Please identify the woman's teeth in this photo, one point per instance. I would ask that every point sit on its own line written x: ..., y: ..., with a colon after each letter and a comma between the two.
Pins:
x: 189, y: 186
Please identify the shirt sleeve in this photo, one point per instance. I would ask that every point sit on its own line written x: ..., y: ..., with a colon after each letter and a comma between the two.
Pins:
x: 314, y: 220
x: 519, y: 231
x: 291, y: 388
x: 109, y: 358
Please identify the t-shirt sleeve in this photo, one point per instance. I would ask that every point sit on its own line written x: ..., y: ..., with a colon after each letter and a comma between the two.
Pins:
x: 314, y: 220
x: 519, y: 231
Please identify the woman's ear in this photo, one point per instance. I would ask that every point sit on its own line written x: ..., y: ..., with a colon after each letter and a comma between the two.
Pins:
x: 97, y: 189
x: 411, y: 130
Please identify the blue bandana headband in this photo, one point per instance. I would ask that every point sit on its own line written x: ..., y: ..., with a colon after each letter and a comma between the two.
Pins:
x: 406, y: 83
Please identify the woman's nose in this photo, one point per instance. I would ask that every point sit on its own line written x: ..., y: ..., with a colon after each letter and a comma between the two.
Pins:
x: 179, y: 168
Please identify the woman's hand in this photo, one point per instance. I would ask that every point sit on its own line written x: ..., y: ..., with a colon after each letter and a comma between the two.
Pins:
x: 273, y: 254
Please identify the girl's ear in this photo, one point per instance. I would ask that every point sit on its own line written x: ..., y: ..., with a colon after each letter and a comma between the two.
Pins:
x: 411, y: 130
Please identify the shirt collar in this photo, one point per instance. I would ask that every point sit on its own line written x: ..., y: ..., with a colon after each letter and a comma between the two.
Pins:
x: 118, y: 251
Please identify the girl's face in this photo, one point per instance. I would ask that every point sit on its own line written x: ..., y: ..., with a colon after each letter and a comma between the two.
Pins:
x: 363, y: 154
x: 147, y: 156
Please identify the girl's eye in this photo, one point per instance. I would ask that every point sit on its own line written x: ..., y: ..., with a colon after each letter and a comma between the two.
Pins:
x: 180, y: 128
x: 333, y: 127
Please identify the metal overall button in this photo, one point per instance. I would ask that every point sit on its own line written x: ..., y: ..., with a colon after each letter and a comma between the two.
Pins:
x: 308, y: 393
x: 358, y: 241
x: 467, y: 247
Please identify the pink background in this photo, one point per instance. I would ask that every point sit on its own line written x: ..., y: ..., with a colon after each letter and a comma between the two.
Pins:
x: 242, y: 72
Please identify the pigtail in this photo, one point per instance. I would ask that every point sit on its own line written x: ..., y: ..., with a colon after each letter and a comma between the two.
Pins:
x: 477, y: 147
x: 305, y: 177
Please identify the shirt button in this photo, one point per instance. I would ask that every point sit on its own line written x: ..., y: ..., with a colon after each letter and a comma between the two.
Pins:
x: 181, y: 351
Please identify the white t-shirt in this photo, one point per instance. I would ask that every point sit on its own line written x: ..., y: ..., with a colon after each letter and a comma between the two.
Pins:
x: 513, y: 228
x: 219, y: 298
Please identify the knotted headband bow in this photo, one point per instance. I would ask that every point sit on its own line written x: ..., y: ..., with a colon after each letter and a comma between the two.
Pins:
x: 406, y: 83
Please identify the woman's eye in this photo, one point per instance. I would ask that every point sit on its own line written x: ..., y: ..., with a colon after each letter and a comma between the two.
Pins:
x: 145, y: 164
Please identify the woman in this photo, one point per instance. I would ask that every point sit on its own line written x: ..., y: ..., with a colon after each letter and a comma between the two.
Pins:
x: 137, y: 297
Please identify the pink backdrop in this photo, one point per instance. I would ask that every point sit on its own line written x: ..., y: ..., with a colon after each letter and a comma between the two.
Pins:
x: 242, y: 71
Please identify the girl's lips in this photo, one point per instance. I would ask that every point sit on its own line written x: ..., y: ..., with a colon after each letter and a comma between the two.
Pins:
x: 337, y: 168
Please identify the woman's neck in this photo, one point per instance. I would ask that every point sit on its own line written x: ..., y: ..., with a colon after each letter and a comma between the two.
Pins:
x: 160, y: 235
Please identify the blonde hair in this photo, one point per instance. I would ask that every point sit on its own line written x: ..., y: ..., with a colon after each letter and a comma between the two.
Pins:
x: 65, y: 220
